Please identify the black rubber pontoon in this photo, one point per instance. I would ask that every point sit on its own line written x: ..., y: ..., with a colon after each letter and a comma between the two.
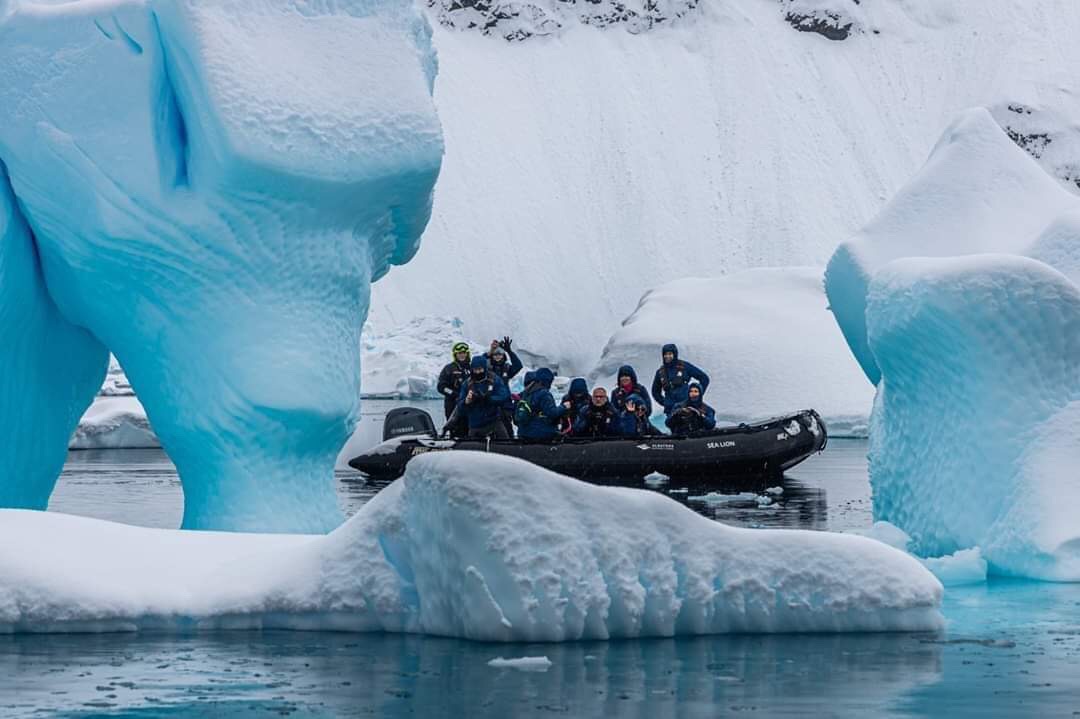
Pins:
x: 749, y: 450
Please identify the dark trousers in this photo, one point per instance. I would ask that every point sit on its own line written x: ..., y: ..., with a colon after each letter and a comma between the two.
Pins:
x: 495, y: 430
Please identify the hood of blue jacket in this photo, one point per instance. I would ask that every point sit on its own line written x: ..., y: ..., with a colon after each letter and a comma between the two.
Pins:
x: 669, y: 348
x: 544, y: 376
x: 479, y: 362
x: 578, y: 386
x: 628, y: 371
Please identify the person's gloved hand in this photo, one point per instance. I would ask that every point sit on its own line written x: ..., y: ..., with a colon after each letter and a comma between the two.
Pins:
x: 505, y: 344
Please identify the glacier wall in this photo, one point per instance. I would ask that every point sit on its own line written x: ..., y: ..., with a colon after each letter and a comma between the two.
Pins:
x: 466, y: 545
x: 211, y: 187
x: 712, y: 143
x: 960, y: 301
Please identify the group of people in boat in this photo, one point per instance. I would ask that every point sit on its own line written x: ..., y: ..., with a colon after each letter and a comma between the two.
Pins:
x: 478, y: 403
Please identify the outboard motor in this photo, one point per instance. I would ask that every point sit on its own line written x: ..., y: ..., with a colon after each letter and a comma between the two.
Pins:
x: 405, y: 421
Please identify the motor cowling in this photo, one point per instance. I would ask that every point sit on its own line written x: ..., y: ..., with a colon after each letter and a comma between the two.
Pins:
x: 407, y: 421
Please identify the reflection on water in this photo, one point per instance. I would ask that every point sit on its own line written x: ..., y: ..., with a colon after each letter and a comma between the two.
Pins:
x: 391, y: 676
x: 1012, y: 649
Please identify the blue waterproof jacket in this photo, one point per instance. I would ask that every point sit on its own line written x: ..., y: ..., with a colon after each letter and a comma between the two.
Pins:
x: 578, y: 395
x: 619, y: 395
x: 671, y: 384
x: 629, y: 424
x: 489, y: 396
x: 701, y: 418
x: 544, y: 422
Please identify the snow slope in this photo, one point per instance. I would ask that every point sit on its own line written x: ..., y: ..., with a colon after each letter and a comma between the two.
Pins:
x: 211, y: 187
x: 764, y: 336
x: 466, y: 545
x: 589, y: 165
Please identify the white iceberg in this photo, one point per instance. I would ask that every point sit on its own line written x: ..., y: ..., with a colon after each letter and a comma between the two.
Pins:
x: 764, y: 336
x: 114, y: 423
x: 977, y: 193
x: 211, y: 188
x: 466, y: 545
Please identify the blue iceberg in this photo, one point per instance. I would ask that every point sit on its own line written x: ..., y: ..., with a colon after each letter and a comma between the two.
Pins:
x: 210, y: 188
x: 960, y: 302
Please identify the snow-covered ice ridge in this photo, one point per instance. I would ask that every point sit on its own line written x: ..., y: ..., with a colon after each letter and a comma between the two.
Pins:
x: 466, y: 545
x: 210, y: 188
x: 961, y: 301
x: 766, y: 338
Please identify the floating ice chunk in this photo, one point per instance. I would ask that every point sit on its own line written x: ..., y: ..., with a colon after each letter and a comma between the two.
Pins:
x: 978, y: 192
x: 468, y: 545
x: 525, y: 664
x: 964, y: 567
x: 114, y: 423
x: 775, y: 491
x: 212, y: 187
x: 975, y: 436
x: 656, y: 478
x: 801, y: 361
x: 886, y: 533
x: 720, y: 498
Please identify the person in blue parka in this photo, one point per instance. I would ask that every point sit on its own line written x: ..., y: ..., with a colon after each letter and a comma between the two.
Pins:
x: 537, y: 415
x: 626, y: 384
x: 482, y: 399
x: 693, y: 415
x: 633, y: 421
x: 671, y: 384
x: 505, y: 370
x: 576, y: 399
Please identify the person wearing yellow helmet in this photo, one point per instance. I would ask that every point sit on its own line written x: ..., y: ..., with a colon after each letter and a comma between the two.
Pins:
x: 451, y: 379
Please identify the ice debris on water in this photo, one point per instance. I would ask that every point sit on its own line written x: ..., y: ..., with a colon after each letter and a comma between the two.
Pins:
x: 761, y: 500
x: 775, y: 491
x: 720, y: 498
x: 524, y: 664
x: 656, y: 478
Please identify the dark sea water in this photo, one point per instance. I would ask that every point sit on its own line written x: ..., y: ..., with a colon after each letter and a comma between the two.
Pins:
x: 1012, y: 648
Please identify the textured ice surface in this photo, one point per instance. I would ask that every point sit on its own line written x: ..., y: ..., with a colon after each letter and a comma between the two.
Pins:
x: 975, y: 435
x: 978, y: 192
x: 467, y: 545
x: 976, y: 356
x: 49, y: 369
x: 765, y: 337
x: 211, y: 187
